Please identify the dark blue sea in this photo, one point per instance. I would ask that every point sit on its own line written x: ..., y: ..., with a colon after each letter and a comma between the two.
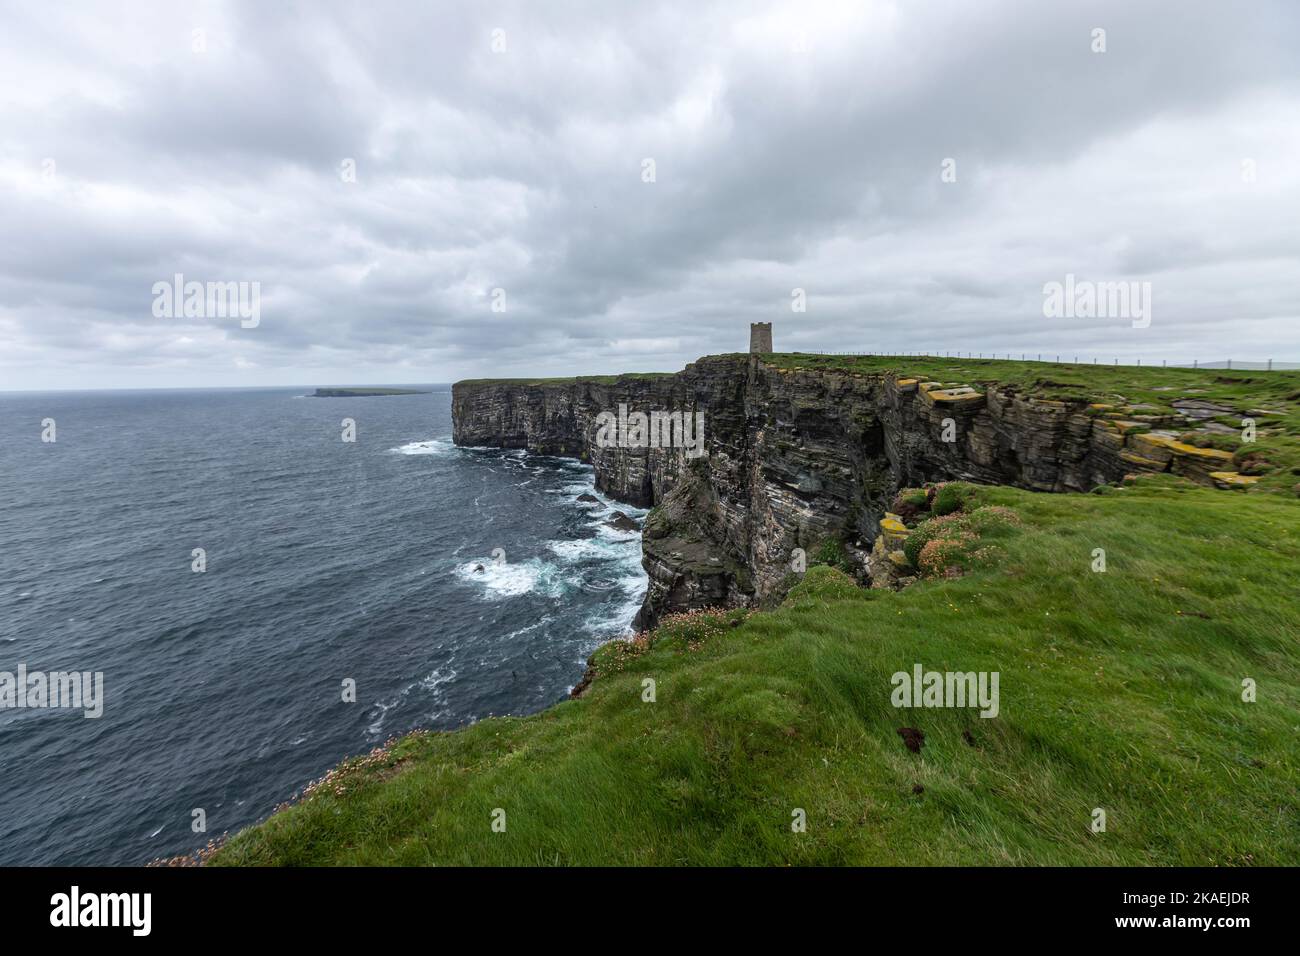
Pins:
x: 325, y: 561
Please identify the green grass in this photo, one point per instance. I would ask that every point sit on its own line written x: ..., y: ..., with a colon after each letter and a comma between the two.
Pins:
x: 1134, y: 382
x: 1119, y: 690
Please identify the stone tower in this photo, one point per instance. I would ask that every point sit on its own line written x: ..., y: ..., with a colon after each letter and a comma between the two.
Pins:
x: 760, y: 337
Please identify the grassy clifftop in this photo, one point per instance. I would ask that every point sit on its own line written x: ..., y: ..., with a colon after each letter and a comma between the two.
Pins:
x: 1080, y: 379
x: 1119, y: 690
x: 1181, y: 409
x: 1201, y: 408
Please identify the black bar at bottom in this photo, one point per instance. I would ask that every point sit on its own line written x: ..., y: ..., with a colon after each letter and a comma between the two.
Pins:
x: 329, y: 906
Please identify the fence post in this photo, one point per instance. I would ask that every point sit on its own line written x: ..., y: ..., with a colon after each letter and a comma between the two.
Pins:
x: 1229, y: 363
x: 1270, y: 365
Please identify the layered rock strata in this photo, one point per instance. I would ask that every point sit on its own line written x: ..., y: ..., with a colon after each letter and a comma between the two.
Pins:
x: 793, y: 458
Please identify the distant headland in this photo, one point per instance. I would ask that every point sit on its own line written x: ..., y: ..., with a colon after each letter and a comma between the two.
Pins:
x: 364, y: 392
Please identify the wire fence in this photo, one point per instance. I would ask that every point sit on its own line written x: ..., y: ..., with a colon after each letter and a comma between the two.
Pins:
x: 1268, y: 365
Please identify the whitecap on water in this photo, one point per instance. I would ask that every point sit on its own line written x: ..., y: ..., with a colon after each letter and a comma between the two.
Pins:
x: 586, y: 549
x: 511, y: 579
x: 617, y: 620
x: 429, y: 685
x: 615, y: 535
x: 435, y: 446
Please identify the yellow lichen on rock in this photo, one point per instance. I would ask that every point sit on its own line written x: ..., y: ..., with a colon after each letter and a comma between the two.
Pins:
x: 954, y: 395
x: 1199, y: 463
x: 1206, y: 453
x: 1126, y: 426
x: 892, y: 533
x: 1232, y: 479
x: 1141, y: 461
x: 1154, y: 446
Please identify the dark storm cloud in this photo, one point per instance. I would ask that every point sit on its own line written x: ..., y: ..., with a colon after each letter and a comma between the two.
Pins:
x: 795, y: 145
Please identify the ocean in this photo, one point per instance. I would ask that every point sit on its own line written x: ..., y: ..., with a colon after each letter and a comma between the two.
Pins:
x: 448, y: 583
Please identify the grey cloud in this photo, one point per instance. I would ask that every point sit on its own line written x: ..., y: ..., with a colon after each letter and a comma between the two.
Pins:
x: 776, y: 168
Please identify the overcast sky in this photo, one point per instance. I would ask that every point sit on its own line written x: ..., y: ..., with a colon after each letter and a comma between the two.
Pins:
x: 503, y: 146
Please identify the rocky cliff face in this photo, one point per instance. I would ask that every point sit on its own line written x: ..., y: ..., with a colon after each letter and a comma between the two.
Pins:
x: 793, y: 458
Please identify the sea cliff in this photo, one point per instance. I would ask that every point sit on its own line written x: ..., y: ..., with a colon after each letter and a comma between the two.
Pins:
x: 795, y: 457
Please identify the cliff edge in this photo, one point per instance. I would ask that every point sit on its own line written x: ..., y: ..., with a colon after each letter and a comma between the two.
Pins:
x: 796, y: 456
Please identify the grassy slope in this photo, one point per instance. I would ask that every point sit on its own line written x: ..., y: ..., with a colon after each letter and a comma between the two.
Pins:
x: 1118, y: 690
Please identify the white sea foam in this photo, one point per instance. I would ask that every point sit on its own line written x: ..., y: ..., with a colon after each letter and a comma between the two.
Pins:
x: 435, y: 446
x: 530, y: 627
x: 617, y: 620
x: 614, y: 534
x: 511, y: 579
x: 608, y: 561
x: 429, y: 685
x: 586, y: 549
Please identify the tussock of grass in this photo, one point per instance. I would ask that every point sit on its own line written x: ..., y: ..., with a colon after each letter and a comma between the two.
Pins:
x: 1120, y: 690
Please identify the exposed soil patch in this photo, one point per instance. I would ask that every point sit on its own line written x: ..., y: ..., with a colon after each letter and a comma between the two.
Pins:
x: 587, y: 677
x: 912, y: 738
